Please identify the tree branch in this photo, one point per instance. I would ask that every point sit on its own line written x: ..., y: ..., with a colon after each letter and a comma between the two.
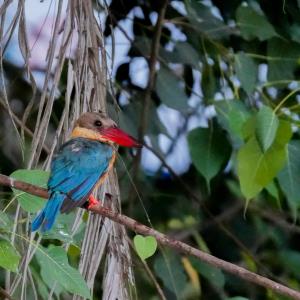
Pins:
x: 150, y: 86
x: 165, y: 240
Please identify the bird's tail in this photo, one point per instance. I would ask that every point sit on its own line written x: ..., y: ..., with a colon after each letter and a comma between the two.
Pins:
x: 46, y: 218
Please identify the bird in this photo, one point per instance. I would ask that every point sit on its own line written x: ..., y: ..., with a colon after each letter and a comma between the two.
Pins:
x: 80, y: 165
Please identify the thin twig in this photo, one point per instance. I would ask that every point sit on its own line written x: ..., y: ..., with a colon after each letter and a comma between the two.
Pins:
x: 152, y: 69
x: 150, y: 85
x: 159, y: 290
x: 166, y: 241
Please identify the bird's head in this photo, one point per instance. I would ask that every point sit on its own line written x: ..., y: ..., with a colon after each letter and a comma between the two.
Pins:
x: 98, y: 127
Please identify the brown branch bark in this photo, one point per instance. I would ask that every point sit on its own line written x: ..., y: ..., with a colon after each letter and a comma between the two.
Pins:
x: 166, y: 241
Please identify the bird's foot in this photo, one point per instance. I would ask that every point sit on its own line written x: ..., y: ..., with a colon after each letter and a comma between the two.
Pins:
x: 93, y: 202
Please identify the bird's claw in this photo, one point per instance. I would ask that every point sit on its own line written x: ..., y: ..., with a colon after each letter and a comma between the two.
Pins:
x: 93, y: 202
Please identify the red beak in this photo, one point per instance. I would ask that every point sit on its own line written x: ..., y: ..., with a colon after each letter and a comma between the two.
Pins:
x: 120, y: 137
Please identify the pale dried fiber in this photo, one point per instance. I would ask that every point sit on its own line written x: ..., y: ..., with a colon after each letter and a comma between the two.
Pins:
x: 87, y: 82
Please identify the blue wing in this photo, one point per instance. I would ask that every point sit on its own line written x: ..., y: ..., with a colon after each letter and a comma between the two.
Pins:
x: 75, y: 170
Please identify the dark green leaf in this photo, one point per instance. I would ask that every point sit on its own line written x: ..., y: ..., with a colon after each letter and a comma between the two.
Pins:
x: 212, y: 274
x: 209, y: 82
x: 201, y: 16
x: 291, y: 259
x: 254, y: 24
x: 266, y: 127
x: 246, y: 71
x: 289, y: 177
x: 169, y: 269
x: 29, y: 202
x: 9, y: 256
x: 186, y: 54
x: 209, y: 150
x: 169, y: 89
x: 283, y: 56
x: 55, y: 268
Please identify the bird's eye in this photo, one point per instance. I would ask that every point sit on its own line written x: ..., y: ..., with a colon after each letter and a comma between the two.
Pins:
x: 98, y: 123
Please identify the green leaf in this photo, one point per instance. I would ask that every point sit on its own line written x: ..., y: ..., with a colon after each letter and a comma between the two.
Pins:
x: 169, y: 90
x: 256, y: 169
x: 5, y: 222
x: 9, y: 256
x: 291, y: 260
x: 55, y: 268
x: 246, y: 71
x: 201, y: 16
x: 212, y: 274
x: 184, y: 53
x: 232, y: 115
x: 41, y: 286
x: 249, y: 159
x: 237, y: 298
x: 61, y: 229
x: 145, y: 246
x: 209, y: 150
x: 29, y: 202
x: 272, y: 190
x: 253, y: 24
x: 283, y: 57
x: 209, y: 82
x: 170, y: 270
x: 289, y: 177
x: 266, y: 127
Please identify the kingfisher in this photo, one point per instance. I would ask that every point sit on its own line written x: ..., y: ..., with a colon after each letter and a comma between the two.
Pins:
x: 80, y: 165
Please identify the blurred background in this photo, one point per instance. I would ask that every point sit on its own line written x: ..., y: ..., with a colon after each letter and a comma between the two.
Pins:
x: 221, y: 168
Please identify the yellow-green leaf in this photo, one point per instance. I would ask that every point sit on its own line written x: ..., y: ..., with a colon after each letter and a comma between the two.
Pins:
x: 9, y: 256
x: 256, y: 169
x: 266, y: 127
x: 145, y: 246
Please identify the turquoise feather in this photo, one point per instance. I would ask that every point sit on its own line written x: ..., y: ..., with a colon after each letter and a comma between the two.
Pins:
x: 75, y: 170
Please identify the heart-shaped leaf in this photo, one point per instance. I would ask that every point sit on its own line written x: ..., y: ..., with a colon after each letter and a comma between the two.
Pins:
x: 256, y: 169
x: 209, y: 149
x: 145, y: 246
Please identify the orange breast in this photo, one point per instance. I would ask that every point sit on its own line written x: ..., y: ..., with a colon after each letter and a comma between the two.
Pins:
x: 110, y: 165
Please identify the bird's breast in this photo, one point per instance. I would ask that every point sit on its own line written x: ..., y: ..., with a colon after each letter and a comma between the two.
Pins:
x: 104, y: 175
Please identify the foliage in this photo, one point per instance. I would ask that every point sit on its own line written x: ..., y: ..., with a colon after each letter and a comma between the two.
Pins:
x: 28, y: 202
x: 227, y: 72
x: 145, y: 246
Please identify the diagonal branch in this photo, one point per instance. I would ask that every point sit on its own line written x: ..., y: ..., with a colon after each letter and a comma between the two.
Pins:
x: 166, y: 241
